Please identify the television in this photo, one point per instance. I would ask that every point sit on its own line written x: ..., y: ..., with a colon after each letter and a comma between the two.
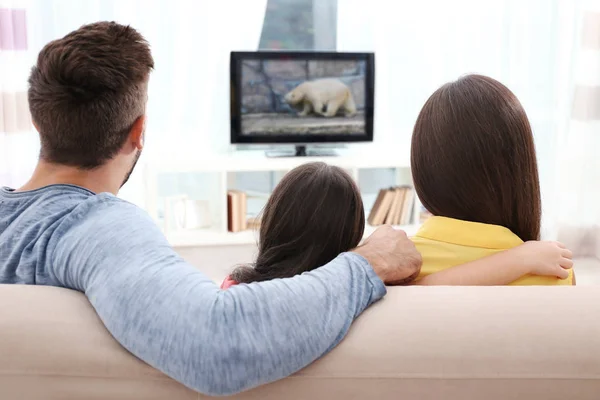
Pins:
x: 301, y: 98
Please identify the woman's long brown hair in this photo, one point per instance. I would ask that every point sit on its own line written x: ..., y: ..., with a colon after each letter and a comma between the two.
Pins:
x: 314, y: 214
x: 473, y: 157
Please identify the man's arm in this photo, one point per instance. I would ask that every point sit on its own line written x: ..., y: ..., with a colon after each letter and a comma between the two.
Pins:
x: 173, y: 317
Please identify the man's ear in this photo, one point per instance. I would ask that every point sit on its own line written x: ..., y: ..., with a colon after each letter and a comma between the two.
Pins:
x: 136, y: 136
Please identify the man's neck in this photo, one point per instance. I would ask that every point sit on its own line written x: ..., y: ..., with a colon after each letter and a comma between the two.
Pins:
x: 98, y: 180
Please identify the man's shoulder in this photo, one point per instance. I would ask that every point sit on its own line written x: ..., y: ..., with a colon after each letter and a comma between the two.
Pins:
x: 109, y: 203
x: 60, y: 201
x: 103, y: 235
x: 107, y: 209
x: 104, y: 223
x: 39, y: 213
x: 38, y: 225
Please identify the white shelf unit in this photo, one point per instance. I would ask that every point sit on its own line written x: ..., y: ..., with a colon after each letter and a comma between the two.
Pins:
x: 209, y: 178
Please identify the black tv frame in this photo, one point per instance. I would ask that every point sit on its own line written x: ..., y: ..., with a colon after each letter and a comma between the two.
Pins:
x: 235, y: 69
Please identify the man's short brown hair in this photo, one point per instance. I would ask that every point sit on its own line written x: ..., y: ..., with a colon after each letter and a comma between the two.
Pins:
x: 87, y: 90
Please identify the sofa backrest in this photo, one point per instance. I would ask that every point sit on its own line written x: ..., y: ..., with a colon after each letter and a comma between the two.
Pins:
x: 418, y: 343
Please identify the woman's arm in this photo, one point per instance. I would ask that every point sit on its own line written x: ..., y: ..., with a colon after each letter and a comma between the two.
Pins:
x: 535, y: 258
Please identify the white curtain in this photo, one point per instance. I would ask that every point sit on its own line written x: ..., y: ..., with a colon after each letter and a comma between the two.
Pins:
x: 527, y: 45
x: 577, y: 220
x: 188, y: 108
x: 18, y: 145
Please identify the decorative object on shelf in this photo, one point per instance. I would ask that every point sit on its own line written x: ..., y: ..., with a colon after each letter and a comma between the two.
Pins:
x: 393, y: 206
x: 237, y: 203
x: 182, y: 212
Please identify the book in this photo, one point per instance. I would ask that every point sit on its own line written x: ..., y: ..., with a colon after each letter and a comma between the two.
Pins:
x: 407, y: 207
x: 400, y: 207
x: 243, y: 211
x: 376, y: 206
x: 381, y: 212
x: 231, y: 220
x: 393, y: 216
x: 236, y: 211
x: 395, y: 207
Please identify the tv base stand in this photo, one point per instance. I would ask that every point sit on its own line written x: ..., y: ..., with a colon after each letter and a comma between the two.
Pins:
x: 302, y: 151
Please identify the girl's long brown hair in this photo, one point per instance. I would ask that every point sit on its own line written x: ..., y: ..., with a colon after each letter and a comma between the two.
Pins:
x: 314, y: 214
x: 473, y: 157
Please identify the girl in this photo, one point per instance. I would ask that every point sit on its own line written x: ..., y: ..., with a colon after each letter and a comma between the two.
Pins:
x: 316, y: 213
x: 474, y: 168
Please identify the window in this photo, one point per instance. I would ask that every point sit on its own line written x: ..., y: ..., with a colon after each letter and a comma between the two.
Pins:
x: 299, y: 25
x: 293, y: 25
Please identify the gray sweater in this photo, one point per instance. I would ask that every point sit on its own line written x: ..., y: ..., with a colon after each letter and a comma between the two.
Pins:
x: 167, y: 312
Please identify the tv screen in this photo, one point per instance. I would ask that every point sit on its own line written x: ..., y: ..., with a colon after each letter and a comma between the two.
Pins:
x: 301, y: 97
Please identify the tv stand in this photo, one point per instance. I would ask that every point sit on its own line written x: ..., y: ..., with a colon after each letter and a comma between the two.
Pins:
x: 301, y: 151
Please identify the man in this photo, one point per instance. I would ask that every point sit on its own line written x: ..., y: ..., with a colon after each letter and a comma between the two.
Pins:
x: 65, y: 227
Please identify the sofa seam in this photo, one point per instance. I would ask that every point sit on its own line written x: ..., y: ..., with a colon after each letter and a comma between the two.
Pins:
x: 388, y: 376
x: 141, y: 378
x: 442, y: 377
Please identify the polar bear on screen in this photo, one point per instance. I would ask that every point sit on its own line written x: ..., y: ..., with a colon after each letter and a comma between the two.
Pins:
x: 323, y: 96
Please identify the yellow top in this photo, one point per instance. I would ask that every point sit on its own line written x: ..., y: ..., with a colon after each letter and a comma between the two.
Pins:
x: 446, y: 242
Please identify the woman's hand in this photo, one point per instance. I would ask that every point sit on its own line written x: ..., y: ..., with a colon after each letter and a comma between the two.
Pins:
x: 545, y: 258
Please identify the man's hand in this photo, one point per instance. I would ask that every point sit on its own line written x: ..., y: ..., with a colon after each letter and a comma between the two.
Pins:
x: 392, y: 255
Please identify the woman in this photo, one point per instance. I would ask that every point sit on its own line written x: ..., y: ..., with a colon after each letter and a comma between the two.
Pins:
x: 474, y: 168
x: 316, y: 212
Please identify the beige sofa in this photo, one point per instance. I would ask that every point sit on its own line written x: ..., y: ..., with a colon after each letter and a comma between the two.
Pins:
x: 418, y: 343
